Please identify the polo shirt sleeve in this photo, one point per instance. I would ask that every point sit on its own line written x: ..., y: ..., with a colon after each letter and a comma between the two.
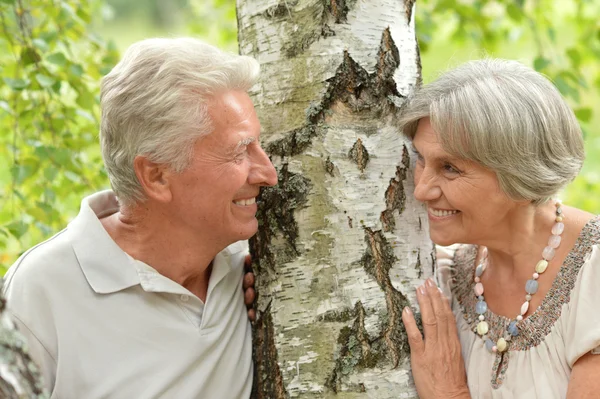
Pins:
x: 39, y: 354
x: 29, y: 307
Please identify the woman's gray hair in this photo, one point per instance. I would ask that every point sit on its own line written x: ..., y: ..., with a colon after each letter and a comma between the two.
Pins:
x: 506, y: 117
x: 154, y: 103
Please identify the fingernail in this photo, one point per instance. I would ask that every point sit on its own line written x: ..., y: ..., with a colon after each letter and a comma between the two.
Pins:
x: 422, y: 290
x: 430, y: 282
x: 407, y: 310
x: 440, y: 290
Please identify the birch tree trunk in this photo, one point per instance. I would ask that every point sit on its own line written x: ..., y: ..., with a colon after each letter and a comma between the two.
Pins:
x: 341, y: 244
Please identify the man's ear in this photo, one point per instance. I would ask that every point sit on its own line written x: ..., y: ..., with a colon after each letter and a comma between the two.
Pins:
x: 154, y: 178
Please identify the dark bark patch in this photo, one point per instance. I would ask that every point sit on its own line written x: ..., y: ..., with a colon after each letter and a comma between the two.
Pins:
x: 281, y: 10
x: 418, y: 265
x: 359, y: 154
x: 294, y: 142
x: 356, y: 350
x: 409, y: 4
x: 377, y: 261
x: 307, y: 27
x: 387, y: 63
x: 339, y: 9
x: 329, y: 166
x: 395, y: 195
x: 268, y: 381
x: 276, y: 216
x: 353, y: 86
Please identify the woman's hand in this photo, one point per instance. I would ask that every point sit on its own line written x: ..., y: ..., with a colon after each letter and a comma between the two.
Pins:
x: 436, y: 359
x: 248, y: 285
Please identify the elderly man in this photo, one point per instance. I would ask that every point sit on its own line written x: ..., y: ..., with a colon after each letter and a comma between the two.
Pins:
x: 140, y: 296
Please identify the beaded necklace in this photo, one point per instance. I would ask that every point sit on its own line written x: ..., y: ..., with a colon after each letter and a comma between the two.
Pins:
x: 531, y: 287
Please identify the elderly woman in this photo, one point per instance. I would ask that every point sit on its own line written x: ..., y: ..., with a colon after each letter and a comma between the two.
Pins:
x: 495, y: 143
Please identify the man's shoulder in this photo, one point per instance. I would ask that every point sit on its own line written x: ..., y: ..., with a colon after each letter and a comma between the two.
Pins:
x: 41, y: 262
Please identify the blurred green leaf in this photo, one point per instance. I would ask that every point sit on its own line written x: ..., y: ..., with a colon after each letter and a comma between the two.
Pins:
x: 17, y: 229
x: 44, y: 81
x: 57, y: 58
x: 583, y: 114
x: 514, y: 12
x: 540, y: 63
x: 16, y: 84
x: 29, y: 56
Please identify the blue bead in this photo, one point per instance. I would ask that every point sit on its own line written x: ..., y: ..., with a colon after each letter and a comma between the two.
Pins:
x: 531, y: 287
x: 479, y: 270
x: 481, y: 307
x: 489, y: 344
x: 480, y: 297
x: 512, y: 328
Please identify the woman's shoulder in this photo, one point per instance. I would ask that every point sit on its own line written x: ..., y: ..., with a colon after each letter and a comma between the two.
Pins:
x: 455, y: 266
x: 583, y: 249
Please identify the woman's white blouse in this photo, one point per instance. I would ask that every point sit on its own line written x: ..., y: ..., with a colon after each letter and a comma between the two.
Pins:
x: 563, y: 328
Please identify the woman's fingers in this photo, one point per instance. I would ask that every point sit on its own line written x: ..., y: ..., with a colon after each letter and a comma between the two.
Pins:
x: 430, y: 324
x: 248, y: 281
x: 415, y: 339
x: 248, y: 286
x: 249, y: 296
x: 440, y: 308
x: 248, y: 263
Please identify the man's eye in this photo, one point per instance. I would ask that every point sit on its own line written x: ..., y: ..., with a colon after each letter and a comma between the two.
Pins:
x: 240, y: 157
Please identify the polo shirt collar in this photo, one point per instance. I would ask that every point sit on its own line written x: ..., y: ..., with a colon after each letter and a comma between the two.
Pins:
x: 105, y: 265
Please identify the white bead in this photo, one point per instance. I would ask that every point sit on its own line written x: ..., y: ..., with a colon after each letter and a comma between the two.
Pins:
x: 554, y: 241
x: 481, y: 317
x: 519, y: 318
x: 558, y: 228
x: 477, y: 279
x: 478, y: 289
x: 548, y: 253
x: 528, y: 297
x: 524, y: 307
x: 535, y: 276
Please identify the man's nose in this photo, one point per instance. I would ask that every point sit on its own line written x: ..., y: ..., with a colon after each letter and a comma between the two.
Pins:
x: 264, y: 173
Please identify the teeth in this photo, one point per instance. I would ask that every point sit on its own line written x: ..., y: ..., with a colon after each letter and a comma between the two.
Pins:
x: 245, y: 202
x: 441, y: 213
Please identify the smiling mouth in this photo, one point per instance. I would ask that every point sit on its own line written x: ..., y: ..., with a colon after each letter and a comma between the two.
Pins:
x: 442, y: 212
x: 245, y: 202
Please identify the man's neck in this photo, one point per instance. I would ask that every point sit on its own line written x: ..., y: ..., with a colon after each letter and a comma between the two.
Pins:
x: 185, y: 259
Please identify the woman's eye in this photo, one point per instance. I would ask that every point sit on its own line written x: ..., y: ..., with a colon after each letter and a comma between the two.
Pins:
x: 451, y: 169
x: 418, y: 156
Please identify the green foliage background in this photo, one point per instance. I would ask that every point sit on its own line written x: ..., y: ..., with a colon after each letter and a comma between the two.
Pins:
x: 54, y: 52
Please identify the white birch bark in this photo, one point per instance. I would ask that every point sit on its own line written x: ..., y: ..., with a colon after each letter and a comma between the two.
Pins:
x: 342, y: 243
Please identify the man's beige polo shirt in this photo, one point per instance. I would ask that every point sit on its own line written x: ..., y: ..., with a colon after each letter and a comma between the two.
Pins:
x: 102, y: 325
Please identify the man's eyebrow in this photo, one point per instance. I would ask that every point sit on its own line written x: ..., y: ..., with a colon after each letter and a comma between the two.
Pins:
x: 244, y: 142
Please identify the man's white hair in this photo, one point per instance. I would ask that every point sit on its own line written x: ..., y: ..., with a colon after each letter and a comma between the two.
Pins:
x: 506, y: 117
x: 154, y: 103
